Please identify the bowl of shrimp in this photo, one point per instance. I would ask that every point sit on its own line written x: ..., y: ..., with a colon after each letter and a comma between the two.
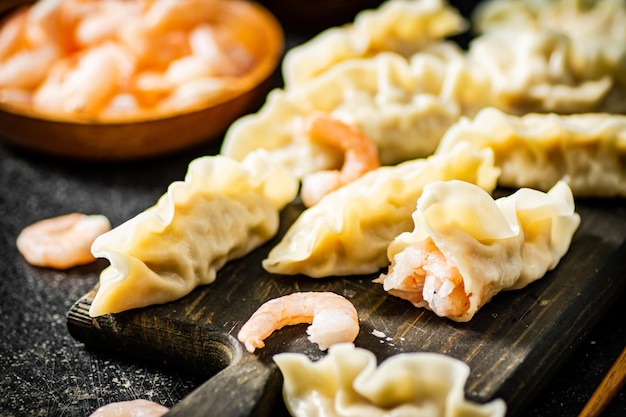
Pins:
x: 129, y: 79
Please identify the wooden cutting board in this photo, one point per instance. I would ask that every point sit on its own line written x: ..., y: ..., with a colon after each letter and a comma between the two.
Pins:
x: 513, y: 345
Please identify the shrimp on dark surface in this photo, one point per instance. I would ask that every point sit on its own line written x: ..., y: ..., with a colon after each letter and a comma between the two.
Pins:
x: 132, y: 408
x: 61, y: 242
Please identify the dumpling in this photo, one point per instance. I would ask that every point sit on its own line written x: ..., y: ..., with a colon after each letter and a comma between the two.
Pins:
x: 404, y: 106
x: 347, y: 232
x: 222, y: 210
x: 565, y: 56
x: 588, y: 151
x: 546, y: 72
x: 466, y: 247
x: 401, y: 26
x: 348, y: 382
x: 587, y: 21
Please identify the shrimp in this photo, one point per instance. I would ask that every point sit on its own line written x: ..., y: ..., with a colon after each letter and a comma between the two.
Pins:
x: 132, y: 408
x: 361, y: 156
x: 423, y: 276
x: 28, y: 68
x: 165, y: 15
x: 61, y: 242
x: 103, y: 22
x: 11, y: 32
x: 71, y: 87
x: 333, y: 319
x: 219, y: 51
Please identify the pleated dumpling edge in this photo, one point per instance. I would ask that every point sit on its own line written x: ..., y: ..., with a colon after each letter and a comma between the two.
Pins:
x: 221, y: 211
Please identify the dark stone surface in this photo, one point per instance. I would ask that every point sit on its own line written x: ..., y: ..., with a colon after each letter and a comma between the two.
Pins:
x: 45, y: 372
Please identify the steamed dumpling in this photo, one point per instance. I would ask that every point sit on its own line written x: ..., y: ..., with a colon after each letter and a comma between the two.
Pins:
x: 347, y: 232
x: 221, y: 211
x: 401, y: 26
x: 586, y: 21
x: 466, y: 247
x: 563, y: 56
x: 348, y: 382
x: 404, y: 106
x: 588, y: 151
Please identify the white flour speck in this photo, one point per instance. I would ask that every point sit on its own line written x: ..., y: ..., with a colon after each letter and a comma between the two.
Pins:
x: 378, y: 333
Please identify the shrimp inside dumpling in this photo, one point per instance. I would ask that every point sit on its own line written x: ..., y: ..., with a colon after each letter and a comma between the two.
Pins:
x: 347, y: 232
x: 466, y: 247
x: 221, y: 211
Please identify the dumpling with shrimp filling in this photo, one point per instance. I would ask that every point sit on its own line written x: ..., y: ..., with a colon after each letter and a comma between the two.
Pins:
x: 347, y: 232
x: 466, y: 247
x: 401, y: 26
x: 221, y: 211
x: 404, y: 105
x: 348, y: 382
x: 588, y: 151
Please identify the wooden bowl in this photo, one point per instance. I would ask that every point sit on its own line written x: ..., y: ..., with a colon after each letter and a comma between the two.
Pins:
x: 152, y: 133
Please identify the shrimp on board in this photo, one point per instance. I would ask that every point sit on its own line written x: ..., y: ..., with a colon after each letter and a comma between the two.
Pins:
x: 333, y: 319
x: 132, y: 408
x: 422, y: 275
x: 61, y: 242
x: 360, y: 156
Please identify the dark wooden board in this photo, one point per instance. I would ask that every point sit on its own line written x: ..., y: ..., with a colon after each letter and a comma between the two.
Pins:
x: 513, y: 345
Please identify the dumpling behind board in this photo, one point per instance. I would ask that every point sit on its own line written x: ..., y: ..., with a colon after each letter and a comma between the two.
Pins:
x: 466, y: 247
x: 404, y: 105
x: 347, y: 232
x: 546, y: 72
x: 566, y: 56
x: 588, y: 151
x: 401, y: 26
x: 221, y: 211
x: 348, y: 382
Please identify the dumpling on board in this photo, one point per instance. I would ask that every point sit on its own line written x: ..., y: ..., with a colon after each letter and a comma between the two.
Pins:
x: 347, y: 232
x: 466, y: 247
x: 348, y: 382
x: 588, y: 151
x: 563, y: 56
x: 400, y: 26
x: 404, y: 105
x: 221, y: 211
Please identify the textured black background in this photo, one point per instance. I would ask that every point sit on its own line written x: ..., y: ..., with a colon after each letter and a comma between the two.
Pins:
x: 45, y: 372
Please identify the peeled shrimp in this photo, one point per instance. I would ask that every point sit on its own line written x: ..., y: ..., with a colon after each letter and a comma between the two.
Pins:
x: 360, y: 156
x: 333, y: 319
x: 423, y: 276
x: 132, y: 408
x: 27, y: 69
x: 61, y: 242
x: 55, y: 49
x: 166, y: 15
x: 10, y: 33
x: 219, y: 51
x: 72, y: 89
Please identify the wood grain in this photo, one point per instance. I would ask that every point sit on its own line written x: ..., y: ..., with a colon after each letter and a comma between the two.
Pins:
x: 513, y: 345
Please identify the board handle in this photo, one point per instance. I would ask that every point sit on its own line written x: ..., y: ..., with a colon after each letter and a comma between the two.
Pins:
x: 245, y: 389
